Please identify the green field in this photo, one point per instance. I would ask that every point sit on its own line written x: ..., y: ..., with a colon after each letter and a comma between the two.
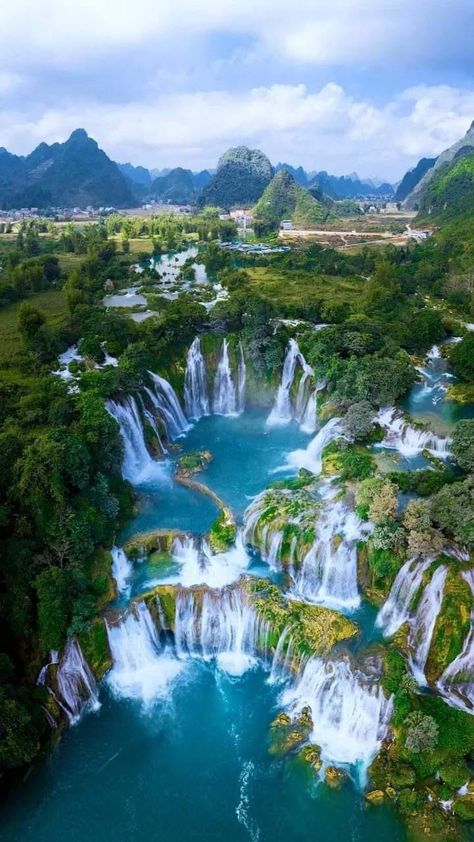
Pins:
x: 52, y: 303
x: 293, y: 287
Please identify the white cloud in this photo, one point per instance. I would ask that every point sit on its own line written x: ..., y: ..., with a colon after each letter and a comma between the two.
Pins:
x: 321, y: 129
x: 67, y: 32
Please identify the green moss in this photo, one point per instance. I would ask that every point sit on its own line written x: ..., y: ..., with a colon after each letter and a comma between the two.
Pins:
x: 464, y: 808
x: 95, y: 647
x: 192, y: 463
x: 314, y: 630
x: 222, y: 533
x: 452, y: 625
x: 99, y: 573
x: 455, y: 773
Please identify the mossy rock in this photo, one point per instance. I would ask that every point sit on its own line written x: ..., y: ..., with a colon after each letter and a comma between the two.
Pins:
x: 452, y: 624
x: 375, y: 796
x: 223, y: 532
x: 144, y: 543
x: 311, y: 755
x: 463, y: 808
x: 315, y: 630
x: 455, y: 773
x: 334, y: 777
x: 287, y: 735
x: 193, y: 463
x: 94, y: 643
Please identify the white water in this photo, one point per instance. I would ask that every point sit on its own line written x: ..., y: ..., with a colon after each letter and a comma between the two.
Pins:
x: 423, y: 623
x: 396, y: 609
x: 224, y: 627
x: 242, y: 376
x: 225, y: 398
x: 456, y: 684
x: 328, y: 573
x: 141, y: 669
x: 168, y: 407
x: 196, y: 398
x: 138, y: 465
x: 408, y: 441
x: 200, y: 566
x: 311, y: 457
x: 283, y: 410
x: 76, y: 684
x: 121, y: 569
x: 349, y: 710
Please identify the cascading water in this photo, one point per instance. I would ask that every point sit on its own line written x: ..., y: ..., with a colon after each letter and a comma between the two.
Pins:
x: 396, y: 609
x: 196, y: 398
x: 423, y: 623
x: 76, y: 684
x: 121, y: 569
x: 349, y: 710
x: 282, y: 410
x: 141, y: 668
x: 138, y: 464
x: 407, y: 440
x: 165, y: 401
x: 242, y: 375
x: 328, y: 573
x: 311, y: 457
x: 225, y: 399
x: 200, y: 566
x: 456, y: 684
x: 225, y: 627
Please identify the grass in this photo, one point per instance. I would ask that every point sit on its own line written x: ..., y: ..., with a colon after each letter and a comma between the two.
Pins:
x: 51, y: 302
x: 289, y: 287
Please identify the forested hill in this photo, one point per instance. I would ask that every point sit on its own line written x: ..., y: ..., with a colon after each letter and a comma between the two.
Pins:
x: 464, y: 146
x: 412, y: 178
x: 241, y: 177
x: 450, y: 193
x: 285, y: 199
x: 74, y: 173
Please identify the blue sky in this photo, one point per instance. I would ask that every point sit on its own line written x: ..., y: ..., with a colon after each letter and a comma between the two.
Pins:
x: 370, y: 86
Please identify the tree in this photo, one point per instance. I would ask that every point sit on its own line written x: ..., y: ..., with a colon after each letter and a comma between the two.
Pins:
x: 453, y: 510
x: 359, y: 419
x: 462, y: 357
x: 422, y: 537
x: 377, y: 499
x: 421, y: 733
x: 463, y: 444
x: 30, y: 320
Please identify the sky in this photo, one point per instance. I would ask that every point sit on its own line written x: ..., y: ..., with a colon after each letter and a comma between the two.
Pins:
x: 347, y: 85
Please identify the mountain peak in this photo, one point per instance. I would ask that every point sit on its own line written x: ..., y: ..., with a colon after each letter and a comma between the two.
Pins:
x: 79, y: 134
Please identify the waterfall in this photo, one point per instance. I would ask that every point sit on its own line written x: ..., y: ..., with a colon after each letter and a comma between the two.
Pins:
x: 76, y: 684
x: 141, y: 668
x: 396, y: 609
x: 282, y: 411
x: 200, y: 566
x: 349, y: 711
x: 311, y: 457
x: 121, y: 569
x: 225, y: 402
x: 224, y: 627
x: 138, y: 464
x: 196, y: 399
x: 423, y: 623
x: 165, y: 401
x: 328, y: 573
x: 242, y: 374
x: 407, y: 440
x: 456, y: 684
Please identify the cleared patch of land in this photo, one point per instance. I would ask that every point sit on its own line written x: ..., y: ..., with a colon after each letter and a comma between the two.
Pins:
x: 293, y: 287
x: 53, y: 304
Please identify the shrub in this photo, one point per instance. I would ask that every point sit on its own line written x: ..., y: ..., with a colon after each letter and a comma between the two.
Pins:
x: 463, y: 445
x: 422, y: 732
x: 359, y: 420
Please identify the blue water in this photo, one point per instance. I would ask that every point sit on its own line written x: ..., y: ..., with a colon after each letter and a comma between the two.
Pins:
x: 195, y: 768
